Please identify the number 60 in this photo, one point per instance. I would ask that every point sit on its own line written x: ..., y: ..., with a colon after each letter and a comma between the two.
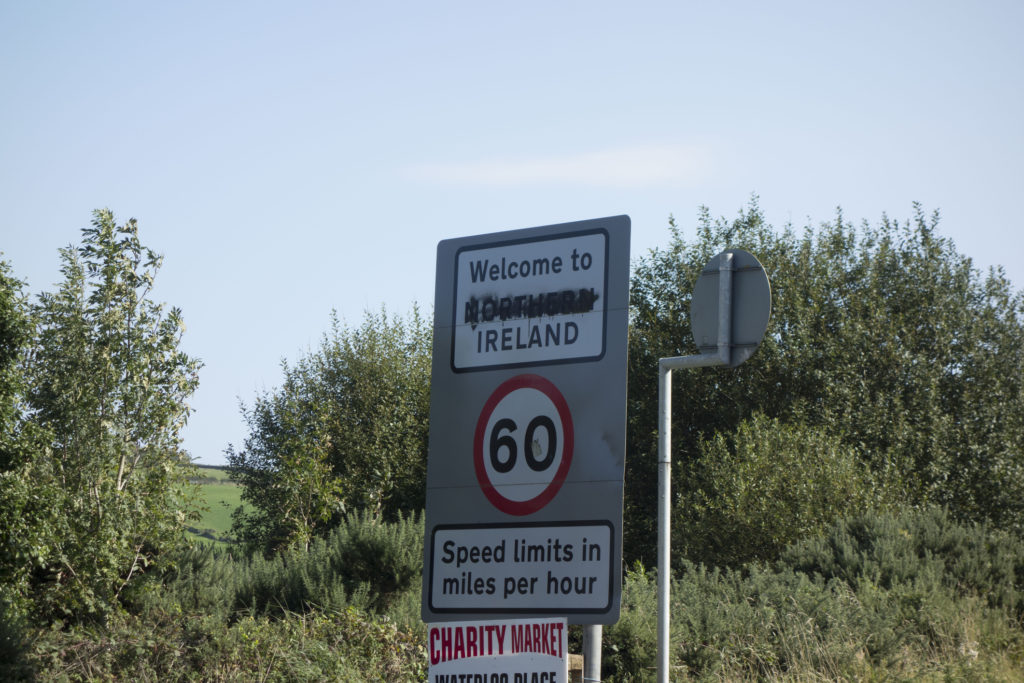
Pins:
x: 508, y: 442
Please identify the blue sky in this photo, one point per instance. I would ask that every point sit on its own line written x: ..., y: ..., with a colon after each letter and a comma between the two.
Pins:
x: 293, y: 158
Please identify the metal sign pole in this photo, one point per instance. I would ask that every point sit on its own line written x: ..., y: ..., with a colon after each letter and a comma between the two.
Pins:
x: 665, y: 367
x: 664, y: 507
x: 592, y: 653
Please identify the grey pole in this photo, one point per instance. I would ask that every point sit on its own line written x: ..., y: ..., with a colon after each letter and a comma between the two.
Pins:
x: 665, y: 367
x: 592, y: 653
x: 664, y: 507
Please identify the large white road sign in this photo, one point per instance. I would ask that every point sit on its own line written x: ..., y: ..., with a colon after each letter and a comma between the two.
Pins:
x: 527, y: 424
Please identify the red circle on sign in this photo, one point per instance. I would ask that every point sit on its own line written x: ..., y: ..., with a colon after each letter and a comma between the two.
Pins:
x: 523, y: 507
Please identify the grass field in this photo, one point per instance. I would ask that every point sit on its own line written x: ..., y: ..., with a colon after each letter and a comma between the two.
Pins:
x: 208, y: 472
x: 220, y: 496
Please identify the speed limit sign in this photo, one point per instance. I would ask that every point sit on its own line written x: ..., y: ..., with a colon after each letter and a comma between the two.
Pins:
x: 522, y: 447
x: 527, y: 441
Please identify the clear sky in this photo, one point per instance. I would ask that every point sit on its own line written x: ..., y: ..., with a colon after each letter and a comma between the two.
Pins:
x: 293, y: 158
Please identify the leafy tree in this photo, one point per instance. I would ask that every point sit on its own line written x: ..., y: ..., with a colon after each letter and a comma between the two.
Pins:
x: 884, y: 338
x: 15, y: 332
x: 288, y: 482
x: 20, y: 503
x: 346, y: 431
x: 108, y: 386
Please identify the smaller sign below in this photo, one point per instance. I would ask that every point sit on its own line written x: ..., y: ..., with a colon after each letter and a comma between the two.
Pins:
x: 508, y: 651
x: 522, y: 568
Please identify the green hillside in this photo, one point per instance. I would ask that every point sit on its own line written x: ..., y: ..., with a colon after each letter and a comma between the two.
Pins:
x: 219, y: 496
x: 211, y: 474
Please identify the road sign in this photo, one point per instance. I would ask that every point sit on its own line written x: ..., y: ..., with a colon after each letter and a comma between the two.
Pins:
x: 527, y: 424
x: 509, y: 651
x: 751, y: 305
x: 523, y: 444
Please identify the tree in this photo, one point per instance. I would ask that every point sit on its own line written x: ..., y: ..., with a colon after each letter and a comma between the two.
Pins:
x: 292, y: 491
x: 347, y: 431
x: 15, y: 332
x: 883, y: 337
x: 22, y: 506
x: 108, y: 385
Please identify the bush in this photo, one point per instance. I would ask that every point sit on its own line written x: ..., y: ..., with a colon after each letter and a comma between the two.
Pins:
x: 346, y: 431
x: 13, y: 666
x: 347, y: 645
x: 884, y: 336
x: 881, y: 596
x: 767, y: 485
x: 915, y: 547
x: 367, y: 563
x: 347, y: 606
x: 630, y: 645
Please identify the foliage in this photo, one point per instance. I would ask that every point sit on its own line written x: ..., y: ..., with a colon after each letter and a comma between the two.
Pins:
x: 883, y: 337
x: 364, y: 562
x: 630, y: 646
x: 915, y: 546
x: 766, y: 486
x: 105, y: 488
x: 13, y: 641
x: 15, y: 332
x: 791, y: 621
x: 21, y: 504
x: 16, y: 539
x: 349, y: 645
x: 909, y: 595
x: 346, y: 431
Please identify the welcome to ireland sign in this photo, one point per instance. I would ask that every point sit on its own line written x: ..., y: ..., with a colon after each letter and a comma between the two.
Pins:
x: 527, y: 424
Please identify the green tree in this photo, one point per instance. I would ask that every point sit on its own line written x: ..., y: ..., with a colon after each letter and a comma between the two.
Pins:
x: 346, y: 431
x: 108, y: 385
x: 15, y: 333
x: 291, y: 490
x: 22, y: 505
x: 883, y: 337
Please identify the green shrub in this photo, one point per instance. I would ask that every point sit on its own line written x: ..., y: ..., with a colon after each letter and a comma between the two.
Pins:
x: 203, y: 578
x: 765, y: 486
x: 347, y: 645
x: 630, y: 646
x: 12, y: 643
x: 922, y: 547
x: 883, y: 336
x: 881, y: 596
x: 347, y: 609
x: 915, y: 595
x: 365, y: 562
